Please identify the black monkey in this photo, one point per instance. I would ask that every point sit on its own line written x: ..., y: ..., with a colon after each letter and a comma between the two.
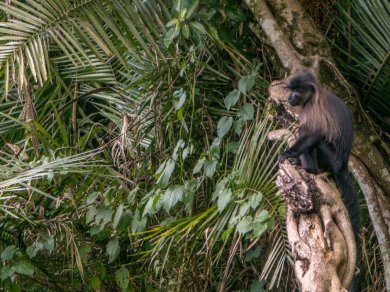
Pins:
x: 325, y: 138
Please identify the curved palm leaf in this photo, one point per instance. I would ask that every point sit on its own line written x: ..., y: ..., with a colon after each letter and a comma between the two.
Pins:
x: 80, y: 31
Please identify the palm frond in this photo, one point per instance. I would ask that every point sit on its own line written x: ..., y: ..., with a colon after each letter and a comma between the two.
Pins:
x: 366, y: 26
x: 83, y: 32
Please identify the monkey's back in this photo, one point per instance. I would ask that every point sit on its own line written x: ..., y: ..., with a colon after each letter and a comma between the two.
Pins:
x: 343, y: 117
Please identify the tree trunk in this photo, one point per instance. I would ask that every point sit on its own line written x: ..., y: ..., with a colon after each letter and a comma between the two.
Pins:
x: 299, y: 44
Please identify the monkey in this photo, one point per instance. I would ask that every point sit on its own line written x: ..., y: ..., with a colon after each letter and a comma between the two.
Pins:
x: 325, y: 138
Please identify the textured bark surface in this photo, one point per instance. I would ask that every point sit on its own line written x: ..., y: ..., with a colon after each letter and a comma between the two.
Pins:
x: 321, y: 238
x: 299, y: 44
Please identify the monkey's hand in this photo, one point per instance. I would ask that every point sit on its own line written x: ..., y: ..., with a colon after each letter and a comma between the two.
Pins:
x: 286, y: 155
x: 282, y: 157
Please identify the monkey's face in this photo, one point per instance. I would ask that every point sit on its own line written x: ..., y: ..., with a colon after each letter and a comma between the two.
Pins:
x: 302, y: 89
x: 300, y: 96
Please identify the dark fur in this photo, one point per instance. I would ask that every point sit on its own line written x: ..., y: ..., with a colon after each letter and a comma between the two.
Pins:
x: 325, y: 138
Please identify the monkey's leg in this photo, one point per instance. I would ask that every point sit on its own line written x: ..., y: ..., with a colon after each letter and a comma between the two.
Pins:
x: 309, y: 161
x: 328, y: 158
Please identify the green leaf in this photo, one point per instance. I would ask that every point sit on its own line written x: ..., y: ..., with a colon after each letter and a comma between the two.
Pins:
x: 92, y: 197
x: 231, y: 99
x: 227, y: 232
x: 256, y: 286
x: 215, y: 149
x: 179, y: 97
x: 95, y: 283
x: 164, y: 173
x: 84, y: 251
x: 6, y: 272
x: 224, y: 125
x: 262, y: 216
x: 192, y: 7
x: 8, y: 252
x: 172, y: 22
x: 177, y: 4
x: 186, y: 31
x: 235, y: 14
x: 117, y: 216
x: 246, y: 112
x: 148, y: 209
x: 197, y: 38
x: 210, y: 167
x: 172, y: 196
x: 198, y: 26
x: 206, y: 14
x: 90, y: 214
x: 255, y: 200
x: 246, y: 83
x: 187, y: 151
x: 221, y: 186
x: 170, y: 35
x: 33, y: 249
x: 224, y: 197
x: 238, y: 126
x: 122, y: 277
x: 112, y: 249
x: 199, y: 165
x: 245, y: 225
x: 259, y: 229
x: 138, y: 224
x: 244, y: 209
x: 252, y: 254
x: 182, y: 13
x: 125, y: 221
x: 24, y: 268
x: 103, y: 216
x: 49, y: 242
x: 233, y: 147
x: 132, y: 195
x: 180, y: 114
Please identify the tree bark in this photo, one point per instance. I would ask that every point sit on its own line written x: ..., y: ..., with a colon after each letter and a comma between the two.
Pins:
x: 299, y: 44
x: 319, y: 231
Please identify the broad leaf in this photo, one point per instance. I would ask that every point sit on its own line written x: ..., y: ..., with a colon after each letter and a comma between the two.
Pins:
x: 210, y: 167
x: 112, y: 249
x: 8, y: 252
x: 224, y: 125
x: 246, y: 112
x: 24, y: 268
x: 224, y: 198
x: 232, y: 98
x: 122, y: 277
x: 172, y: 196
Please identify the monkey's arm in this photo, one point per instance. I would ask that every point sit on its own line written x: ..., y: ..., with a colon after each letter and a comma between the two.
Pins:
x: 304, y: 144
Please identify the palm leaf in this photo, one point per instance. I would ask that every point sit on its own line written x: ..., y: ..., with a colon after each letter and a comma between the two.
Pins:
x: 367, y: 64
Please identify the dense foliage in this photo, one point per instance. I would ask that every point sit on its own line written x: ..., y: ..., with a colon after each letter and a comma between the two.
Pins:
x: 134, y: 150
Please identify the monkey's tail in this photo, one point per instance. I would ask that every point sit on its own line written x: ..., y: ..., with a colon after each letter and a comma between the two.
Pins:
x: 349, y: 195
x: 350, y: 198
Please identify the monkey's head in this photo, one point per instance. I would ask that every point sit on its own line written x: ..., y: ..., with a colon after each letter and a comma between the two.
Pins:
x: 302, y: 87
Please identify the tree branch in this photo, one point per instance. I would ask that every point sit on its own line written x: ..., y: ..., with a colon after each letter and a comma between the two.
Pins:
x: 378, y: 209
x: 288, y: 55
x: 319, y: 231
